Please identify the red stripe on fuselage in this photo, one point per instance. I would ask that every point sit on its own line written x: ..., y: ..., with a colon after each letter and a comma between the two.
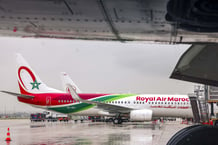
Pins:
x: 56, y: 98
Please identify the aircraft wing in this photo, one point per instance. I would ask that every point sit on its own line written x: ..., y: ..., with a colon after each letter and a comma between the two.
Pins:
x: 18, y: 95
x: 165, y: 21
x: 108, y: 107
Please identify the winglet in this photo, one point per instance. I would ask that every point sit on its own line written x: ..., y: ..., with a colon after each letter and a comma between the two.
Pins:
x: 76, y: 97
x: 73, y: 93
x: 65, y: 78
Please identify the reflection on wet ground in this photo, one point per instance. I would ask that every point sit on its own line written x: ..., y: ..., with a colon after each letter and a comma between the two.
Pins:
x: 88, y: 133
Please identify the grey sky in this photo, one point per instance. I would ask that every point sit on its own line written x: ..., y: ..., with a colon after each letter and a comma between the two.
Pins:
x: 95, y: 66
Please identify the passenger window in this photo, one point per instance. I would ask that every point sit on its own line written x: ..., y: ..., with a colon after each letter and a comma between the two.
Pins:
x: 121, y: 102
x: 129, y: 102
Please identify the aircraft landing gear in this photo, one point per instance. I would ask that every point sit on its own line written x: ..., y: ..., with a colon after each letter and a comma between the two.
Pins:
x: 117, y: 121
x: 195, y: 135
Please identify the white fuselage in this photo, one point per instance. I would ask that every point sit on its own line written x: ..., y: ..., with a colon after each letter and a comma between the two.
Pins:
x: 161, y: 105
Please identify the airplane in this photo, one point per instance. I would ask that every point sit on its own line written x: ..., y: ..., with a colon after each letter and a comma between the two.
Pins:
x: 134, y: 107
x: 157, y: 21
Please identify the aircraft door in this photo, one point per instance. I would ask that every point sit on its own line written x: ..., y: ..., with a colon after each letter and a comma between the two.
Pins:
x: 48, y: 101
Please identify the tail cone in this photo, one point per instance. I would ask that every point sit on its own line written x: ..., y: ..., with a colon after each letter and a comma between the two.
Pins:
x: 8, y: 138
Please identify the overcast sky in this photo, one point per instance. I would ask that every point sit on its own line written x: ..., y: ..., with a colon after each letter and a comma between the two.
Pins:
x: 95, y: 66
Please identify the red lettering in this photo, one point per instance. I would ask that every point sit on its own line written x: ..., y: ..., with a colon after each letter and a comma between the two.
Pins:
x: 170, y: 99
x: 158, y: 99
x: 142, y: 98
x: 138, y: 98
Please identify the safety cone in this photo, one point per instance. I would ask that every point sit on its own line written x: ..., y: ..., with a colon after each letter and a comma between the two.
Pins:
x: 8, y: 138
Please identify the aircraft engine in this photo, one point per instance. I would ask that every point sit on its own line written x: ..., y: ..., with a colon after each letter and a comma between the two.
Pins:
x: 141, y: 115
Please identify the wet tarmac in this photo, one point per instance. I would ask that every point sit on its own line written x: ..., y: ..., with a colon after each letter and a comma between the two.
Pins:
x: 23, y: 132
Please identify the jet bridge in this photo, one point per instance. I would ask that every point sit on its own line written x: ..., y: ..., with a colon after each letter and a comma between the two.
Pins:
x: 199, y: 104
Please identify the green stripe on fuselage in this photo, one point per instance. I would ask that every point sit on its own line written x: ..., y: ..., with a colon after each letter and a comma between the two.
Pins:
x: 73, y: 108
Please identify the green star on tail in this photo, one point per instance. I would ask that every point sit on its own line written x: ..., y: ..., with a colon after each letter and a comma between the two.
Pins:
x: 35, y: 84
